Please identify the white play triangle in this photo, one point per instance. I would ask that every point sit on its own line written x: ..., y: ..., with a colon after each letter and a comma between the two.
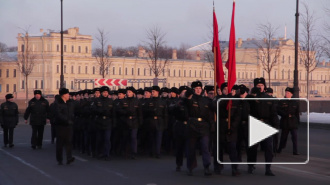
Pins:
x: 258, y: 131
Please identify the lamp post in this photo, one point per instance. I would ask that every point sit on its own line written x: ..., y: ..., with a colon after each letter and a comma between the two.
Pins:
x: 61, y: 76
x: 295, y: 78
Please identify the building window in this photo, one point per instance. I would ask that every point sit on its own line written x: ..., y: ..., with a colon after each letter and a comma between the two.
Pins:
x: 7, y: 73
x: 283, y: 59
x: 64, y: 84
x: 300, y: 75
x: 57, y: 69
x: 169, y: 72
x: 23, y: 84
x: 0, y: 73
x: 275, y: 75
x: 113, y: 70
x: 64, y: 68
x: 22, y: 47
x: 86, y: 49
x: 289, y: 59
x: 79, y: 69
x: 195, y: 73
x: 200, y: 74
x: 58, y: 48
x: 72, y: 49
x: 72, y: 70
x: 72, y: 85
x: 138, y: 71
x: 163, y: 72
x: 64, y: 48
x: 36, y: 84
x: 107, y: 70
x: 126, y: 71
x: 150, y: 71
x: 283, y: 74
x: 210, y: 74
x: 14, y: 73
x: 239, y: 75
x: 179, y: 73
x: 93, y: 70
x: 190, y: 73
x: 174, y: 72
x: 263, y: 74
x: 120, y: 71
x: 205, y: 74
x: 41, y: 84
x: 14, y: 88
x: 184, y: 73
x: 79, y: 49
x: 101, y: 70
x: 243, y: 75
x: 251, y: 75
x: 7, y: 87
x: 289, y: 74
x: 144, y: 71
x: 86, y: 69
x: 132, y: 71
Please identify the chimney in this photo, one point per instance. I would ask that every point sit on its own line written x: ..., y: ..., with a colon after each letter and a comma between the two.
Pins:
x: 109, y: 50
x: 198, y: 57
x: 174, y: 54
x: 240, y: 42
x: 77, y: 30
x: 41, y: 30
x: 141, y: 52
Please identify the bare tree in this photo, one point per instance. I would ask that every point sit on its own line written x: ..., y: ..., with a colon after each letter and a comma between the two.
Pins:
x: 26, y: 59
x: 3, y: 47
x: 310, y: 50
x: 101, y: 53
x: 155, y: 45
x: 268, y: 48
x: 182, y: 51
x: 326, y: 36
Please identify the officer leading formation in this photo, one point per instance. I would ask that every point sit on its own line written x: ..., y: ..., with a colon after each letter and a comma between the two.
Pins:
x: 154, y: 121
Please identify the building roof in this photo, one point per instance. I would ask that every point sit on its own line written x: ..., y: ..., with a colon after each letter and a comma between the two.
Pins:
x: 8, y: 56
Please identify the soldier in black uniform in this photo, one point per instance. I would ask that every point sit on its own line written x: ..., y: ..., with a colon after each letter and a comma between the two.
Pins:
x: 103, y: 109
x: 168, y: 132
x: 131, y: 117
x: 265, y: 111
x: 179, y: 128
x: 118, y: 129
x: 64, y: 116
x: 52, y: 118
x: 139, y: 93
x: 143, y: 130
x: 38, y: 111
x: 158, y: 118
x: 289, y: 112
x: 198, y: 129
x: 8, y: 119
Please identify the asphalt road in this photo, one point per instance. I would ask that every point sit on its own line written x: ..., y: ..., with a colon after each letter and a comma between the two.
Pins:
x: 22, y: 165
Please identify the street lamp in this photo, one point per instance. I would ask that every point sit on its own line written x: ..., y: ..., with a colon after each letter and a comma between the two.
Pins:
x: 61, y: 76
x: 295, y: 78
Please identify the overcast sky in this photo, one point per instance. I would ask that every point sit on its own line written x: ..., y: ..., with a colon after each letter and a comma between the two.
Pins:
x: 183, y: 21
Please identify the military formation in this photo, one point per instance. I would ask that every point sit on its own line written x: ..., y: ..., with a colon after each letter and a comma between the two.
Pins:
x: 155, y: 121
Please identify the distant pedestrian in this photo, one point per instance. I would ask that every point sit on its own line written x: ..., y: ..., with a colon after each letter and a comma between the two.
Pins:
x: 8, y: 119
x: 38, y: 111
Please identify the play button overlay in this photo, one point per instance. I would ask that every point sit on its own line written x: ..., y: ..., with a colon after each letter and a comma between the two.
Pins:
x: 251, y: 138
x: 259, y: 131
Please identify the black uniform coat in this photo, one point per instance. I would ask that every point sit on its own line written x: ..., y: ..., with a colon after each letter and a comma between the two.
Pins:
x: 157, y: 113
x: 9, y: 114
x: 64, y: 112
x: 103, y: 109
x: 38, y: 110
x: 130, y: 113
x: 265, y: 110
x: 198, y: 108
x: 289, y: 112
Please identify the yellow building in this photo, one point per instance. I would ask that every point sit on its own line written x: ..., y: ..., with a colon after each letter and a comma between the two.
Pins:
x: 81, y: 68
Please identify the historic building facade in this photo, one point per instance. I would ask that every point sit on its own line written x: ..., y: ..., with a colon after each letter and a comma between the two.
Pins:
x: 81, y: 68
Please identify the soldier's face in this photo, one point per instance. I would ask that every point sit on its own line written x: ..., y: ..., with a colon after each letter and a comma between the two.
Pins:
x: 288, y: 94
x: 66, y: 97
x: 225, y: 91
x: 129, y: 94
x: 86, y: 95
x: 147, y: 94
x: 164, y: 94
x: 243, y: 95
x: 198, y: 90
x: 139, y: 96
x: 37, y: 96
x: 78, y: 97
x: 105, y: 93
x: 97, y: 94
x: 154, y: 93
x: 261, y: 86
x: 114, y: 96
x: 173, y: 94
x: 210, y: 94
x: 219, y: 92
x: 121, y: 95
x: 74, y: 97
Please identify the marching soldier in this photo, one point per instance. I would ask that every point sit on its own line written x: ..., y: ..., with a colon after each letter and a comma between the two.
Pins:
x: 289, y: 111
x: 38, y: 111
x: 119, y: 123
x: 132, y: 117
x: 179, y: 127
x: 158, y: 117
x: 103, y: 109
x: 265, y: 111
x: 139, y: 93
x: 198, y: 129
x: 143, y: 130
x: 8, y: 119
x: 64, y: 116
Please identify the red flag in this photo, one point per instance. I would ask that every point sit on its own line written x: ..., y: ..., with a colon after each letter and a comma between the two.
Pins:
x: 231, y: 63
x: 219, y: 76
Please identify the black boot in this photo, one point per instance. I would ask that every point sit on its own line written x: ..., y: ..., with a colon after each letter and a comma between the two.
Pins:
x: 269, y: 173
x: 207, y: 171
